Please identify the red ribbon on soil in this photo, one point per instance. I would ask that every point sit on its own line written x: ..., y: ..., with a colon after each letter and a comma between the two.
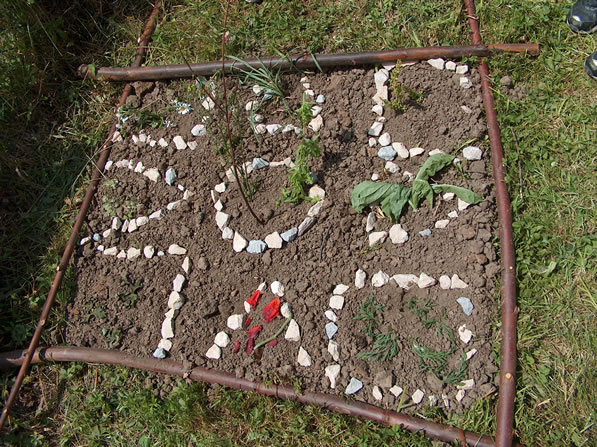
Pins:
x: 254, y: 298
x: 272, y: 310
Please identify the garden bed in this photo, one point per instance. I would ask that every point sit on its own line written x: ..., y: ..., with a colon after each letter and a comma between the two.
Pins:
x: 125, y: 278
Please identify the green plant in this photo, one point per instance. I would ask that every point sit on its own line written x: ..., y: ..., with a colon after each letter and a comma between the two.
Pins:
x: 131, y: 294
x: 385, y: 347
x: 367, y: 313
x: 268, y: 81
x: 393, y: 197
x: 437, y: 363
x: 141, y: 117
x: 400, y: 93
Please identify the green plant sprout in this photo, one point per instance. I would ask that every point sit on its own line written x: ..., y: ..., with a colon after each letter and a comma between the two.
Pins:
x: 394, y: 197
x: 367, y: 313
x: 437, y: 363
x: 400, y: 93
x: 385, y: 347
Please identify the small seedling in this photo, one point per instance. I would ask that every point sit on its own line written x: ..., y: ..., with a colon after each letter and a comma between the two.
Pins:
x: 367, y: 313
x: 400, y: 93
x: 385, y: 347
x: 131, y: 295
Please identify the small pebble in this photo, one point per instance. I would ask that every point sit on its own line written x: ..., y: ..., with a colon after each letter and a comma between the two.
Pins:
x: 385, y: 139
x: 465, y: 82
x: 396, y: 391
x: 239, y: 243
x: 438, y: 63
x: 290, y: 235
x: 359, y: 279
x: 260, y: 163
x: 235, y: 322
x: 401, y: 150
x: 354, y: 386
x: 159, y: 353
x: 466, y: 304
x: 376, y: 393
x: 387, y: 153
x: 377, y: 237
x: 337, y: 302
x: 222, y: 339
x: 293, y: 333
x: 277, y: 288
x: 465, y: 334
x: 303, y: 359
x: 417, y: 396
x: 334, y: 350
x: 330, y: 315
x: 450, y: 65
x: 416, y: 151
x: 330, y: 329
x: 425, y: 233
x: 214, y: 353
x: 332, y: 372
x: 340, y: 289
x: 375, y: 129
x: 171, y: 176
x: 176, y: 249
x: 462, y: 69
x: 256, y: 247
x: 380, y: 279
x: 472, y: 153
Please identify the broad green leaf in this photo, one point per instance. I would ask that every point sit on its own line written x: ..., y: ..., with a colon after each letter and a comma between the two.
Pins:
x: 420, y: 190
x: 368, y: 192
x: 462, y: 193
x: 434, y: 164
x: 394, y: 203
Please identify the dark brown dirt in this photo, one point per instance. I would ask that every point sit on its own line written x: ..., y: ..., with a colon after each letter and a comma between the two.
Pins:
x: 121, y: 303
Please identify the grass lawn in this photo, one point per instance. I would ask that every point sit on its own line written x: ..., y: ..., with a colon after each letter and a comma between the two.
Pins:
x: 51, y: 124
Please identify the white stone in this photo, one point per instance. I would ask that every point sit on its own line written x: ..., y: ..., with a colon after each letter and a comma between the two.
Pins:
x: 277, y: 288
x: 401, y: 150
x: 448, y: 196
x: 192, y: 145
x: 453, y: 214
x: 157, y: 215
x: 139, y: 168
x: 262, y: 288
x: 178, y: 282
x: 385, y: 139
x: 208, y: 104
x: 222, y: 339
x: 466, y: 109
x: 316, y: 123
x: 462, y: 205
x: 465, y: 82
x: 380, y: 279
x: 167, y: 328
x: 416, y: 151
x: 375, y: 176
x: 436, y: 152
x: 391, y: 167
x: 258, y: 118
x: 465, y: 334
x: 309, y: 92
x: 354, y: 386
x: 334, y: 350
x: 132, y: 226
x: 375, y: 129
x: 133, y: 253
x: 239, y: 243
x: 445, y: 400
x: 330, y: 315
x: 472, y: 153
x: 450, y: 65
x: 284, y: 309
x: 173, y: 205
x: 257, y: 89
x: 432, y: 400
x: 116, y: 137
x: 179, y: 143
x: 303, y: 359
x: 372, y: 142
x: 370, y: 225
x: 380, y: 78
x: 316, y: 110
x: 409, y: 175
x: 112, y: 251
x: 176, y: 249
x: 273, y: 240
x: 116, y: 224
x: 337, y: 302
x: 381, y: 96
x: 377, y: 237
x: 135, y: 139
x: 260, y: 129
x: 471, y: 353
x: 152, y: 174
x: 376, y: 393
x: 315, y: 209
x: 466, y: 384
x: 162, y: 142
x: 293, y: 333
x: 122, y: 163
x: 377, y: 109
x: 121, y: 254
x: 443, y: 223
x: 340, y: 289
x: 398, y: 235
x: 235, y: 322
x: 186, y: 264
x: 171, y: 313
x: 220, y: 187
x: 417, y: 396
x: 187, y: 194
x: 107, y: 233
x: 405, y: 280
x: 273, y: 129
x: 332, y: 372
x: 396, y: 391
x: 85, y: 240
x: 444, y: 282
x: 359, y: 279
x: 214, y: 352
x: 148, y: 251
x: 199, y: 130
x: 460, y: 395
x: 142, y: 220
x: 227, y: 234
x: 426, y: 281
x: 462, y: 69
x: 222, y: 219
x: 316, y: 192
x: 219, y: 206
x: 457, y: 283
x: 175, y: 300
x: 166, y: 345
x: 438, y: 63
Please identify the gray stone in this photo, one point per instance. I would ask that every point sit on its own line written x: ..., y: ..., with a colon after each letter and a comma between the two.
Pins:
x: 260, y: 163
x: 386, y: 153
x: 354, y: 386
x: 159, y: 353
x: 305, y: 225
x: 472, y: 153
x: 425, y: 233
x: 331, y: 329
x: 97, y: 237
x: 171, y: 176
x: 466, y: 304
x: 375, y: 129
x: 256, y: 247
x: 465, y: 82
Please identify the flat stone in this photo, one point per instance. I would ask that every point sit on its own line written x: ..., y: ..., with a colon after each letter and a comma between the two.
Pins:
x: 405, y: 280
x: 171, y: 176
x: 465, y: 334
x: 375, y: 129
x: 171, y: 313
x: 277, y: 288
x: 340, y: 289
x: 441, y: 224
x: 460, y: 395
x: 316, y: 110
x: 273, y: 129
x: 152, y: 174
x: 290, y: 235
x: 309, y: 92
x: 445, y: 400
x: 133, y: 253
x: 166, y: 345
x: 372, y: 142
x: 121, y: 254
x: 391, y: 167
x: 330, y: 329
x: 380, y: 279
x: 462, y: 69
x: 453, y: 214
x: 466, y: 304
x: 315, y: 209
x: 332, y: 372
x: 214, y: 353
x: 472, y: 153
x: 380, y: 77
x: 148, y: 251
x: 398, y: 235
x: 159, y: 353
x: 471, y: 353
x: 85, y: 240
x: 112, y: 251
x: 457, y: 283
x: 337, y: 302
x: 381, y: 95
x: 260, y: 129
x: 396, y: 391
x: 462, y: 205
x: 167, y: 328
x: 417, y: 396
x: 385, y: 139
x: 186, y: 265
x: 100, y: 248
x: 132, y: 226
x: 438, y: 63
x: 425, y: 233
x: 450, y: 65
x: 316, y: 192
x: 316, y: 123
x: 465, y: 82
x: 222, y: 220
x: 116, y: 224
x: 175, y: 300
x: 142, y: 220
x: 416, y: 151
x: 401, y: 150
x: 273, y: 240
x: 384, y: 379
x: 107, y: 233
x: 330, y: 315
x: 432, y: 400
x: 222, y: 339
x: 320, y: 99
x: 220, y: 187
x: 436, y: 152
x: 466, y: 109
x: 444, y: 282
x: 305, y: 225
x: 139, y: 168
x: 370, y: 225
x: 359, y: 279
x: 179, y: 143
x: 386, y: 153
x: 425, y: 281
x: 293, y: 333
x: 227, y: 233
x: 157, y: 215
x: 284, y: 309
x: 235, y: 322
x: 176, y: 249
x: 178, y: 282
x: 334, y: 350
x: 173, y: 205
x: 377, y: 237
x: 259, y: 163
x: 377, y: 109
x: 256, y: 247
x: 354, y: 386
x: 239, y: 243
x: 199, y: 130
x: 466, y: 384
x: 376, y: 393
x: 303, y: 359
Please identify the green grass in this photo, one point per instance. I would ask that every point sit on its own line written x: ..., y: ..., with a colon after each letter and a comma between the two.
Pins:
x: 51, y: 124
